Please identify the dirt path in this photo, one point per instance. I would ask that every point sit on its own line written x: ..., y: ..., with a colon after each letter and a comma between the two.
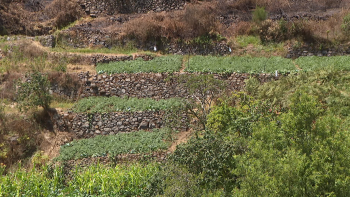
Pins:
x: 52, y: 142
x: 182, y: 137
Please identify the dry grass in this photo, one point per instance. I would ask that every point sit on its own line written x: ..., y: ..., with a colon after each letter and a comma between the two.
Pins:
x: 194, y: 21
x: 8, y: 82
x: 330, y: 29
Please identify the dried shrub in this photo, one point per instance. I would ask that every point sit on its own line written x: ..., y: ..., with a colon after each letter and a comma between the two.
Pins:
x: 199, y: 20
x: 277, y: 31
x: 64, y: 80
x: 194, y: 21
x: 8, y: 82
x: 23, y: 140
x: 145, y: 28
x: 242, y: 28
x: 63, y: 12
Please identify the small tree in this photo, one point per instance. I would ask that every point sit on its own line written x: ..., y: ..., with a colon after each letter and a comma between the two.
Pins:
x: 203, y: 90
x: 34, y: 92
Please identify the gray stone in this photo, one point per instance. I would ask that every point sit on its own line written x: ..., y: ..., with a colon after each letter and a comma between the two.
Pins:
x: 143, y: 125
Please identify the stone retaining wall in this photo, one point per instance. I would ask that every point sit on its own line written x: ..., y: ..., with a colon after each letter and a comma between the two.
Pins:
x: 87, y: 125
x: 310, y: 51
x: 143, y: 85
x: 97, y: 7
x: 152, y: 85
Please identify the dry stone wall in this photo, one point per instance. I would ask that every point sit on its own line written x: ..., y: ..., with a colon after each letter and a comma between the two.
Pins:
x: 97, y: 7
x: 152, y: 85
x: 310, y: 51
x: 87, y: 125
x: 143, y: 85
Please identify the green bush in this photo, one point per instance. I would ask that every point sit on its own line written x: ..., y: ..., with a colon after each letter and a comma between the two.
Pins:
x: 211, y: 158
x: 34, y: 93
x: 259, y: 14
x: 117, y: 104
x: 162, y: 64
x: 113, y: 145
x: 304, y: 153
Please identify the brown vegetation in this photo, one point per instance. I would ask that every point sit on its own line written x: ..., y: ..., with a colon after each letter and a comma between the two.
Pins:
x: 194, y: 21
x: 18, y: 138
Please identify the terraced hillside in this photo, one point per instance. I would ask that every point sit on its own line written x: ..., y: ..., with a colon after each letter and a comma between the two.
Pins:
x: 174, y: 98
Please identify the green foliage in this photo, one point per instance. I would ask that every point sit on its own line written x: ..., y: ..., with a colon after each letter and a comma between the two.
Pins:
x: 211, y: 64
x: 115, y: 104
x: 315, y: 63
x: 244, y: 41
x: 327, y: 85
x: 34, y: 92
x: 157, y: 65
x: 304, y: 153
x: 259, y: 14
x: 113, y: 145
x: 176, y: 180
x: 236, y: 115
x: 96, y: 180
x: 211, y: 158
x: 346, y: 25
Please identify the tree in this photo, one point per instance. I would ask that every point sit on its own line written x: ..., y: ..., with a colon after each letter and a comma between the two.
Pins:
x: 203, y: 90
x: 34, y: 92
x: 304, y: 153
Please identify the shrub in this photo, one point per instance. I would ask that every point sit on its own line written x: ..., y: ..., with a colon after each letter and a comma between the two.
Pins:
x: 211, y: 158
x: 259, y: 14
x: 34, y: 93
x: 63, y: 12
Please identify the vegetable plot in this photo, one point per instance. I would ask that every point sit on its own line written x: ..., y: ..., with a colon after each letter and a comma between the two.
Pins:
x: 171, y: 63
x: 212, y: 64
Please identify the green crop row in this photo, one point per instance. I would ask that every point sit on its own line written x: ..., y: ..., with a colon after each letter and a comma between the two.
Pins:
x: 96, y: 180
x: 112, y: 145
x: 228, y: 64
x: 115, y: 104
x: 314, y: 62
x: 212, y: 64
x: 171, y: 63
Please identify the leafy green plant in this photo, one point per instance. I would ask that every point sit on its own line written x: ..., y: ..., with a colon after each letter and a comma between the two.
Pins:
x: 113, y: 145
x: 114, y: 104
x: 157, y: 65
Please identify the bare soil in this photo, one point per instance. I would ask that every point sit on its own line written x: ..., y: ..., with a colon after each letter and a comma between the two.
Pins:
x: 181, y: 137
